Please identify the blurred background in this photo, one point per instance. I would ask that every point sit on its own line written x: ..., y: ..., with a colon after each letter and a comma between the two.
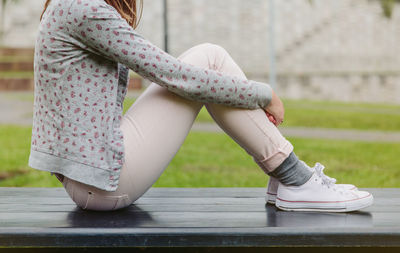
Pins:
x: 335, y: 63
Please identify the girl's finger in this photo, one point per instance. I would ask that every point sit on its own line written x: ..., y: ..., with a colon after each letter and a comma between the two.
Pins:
x: 271, y: 119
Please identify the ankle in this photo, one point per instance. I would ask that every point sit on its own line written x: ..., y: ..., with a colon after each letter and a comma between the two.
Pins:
x: 292, y: 171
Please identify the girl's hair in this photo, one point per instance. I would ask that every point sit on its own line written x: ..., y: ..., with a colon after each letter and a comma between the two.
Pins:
x: 126, y: 8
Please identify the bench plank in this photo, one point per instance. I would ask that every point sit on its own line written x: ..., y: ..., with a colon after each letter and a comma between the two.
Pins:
x: 160, y: 192
x: 207, y: 217
x: 35, y: 207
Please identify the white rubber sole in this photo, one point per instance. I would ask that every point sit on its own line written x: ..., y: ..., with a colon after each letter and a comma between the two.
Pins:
x: 270, y: 198
x: 320, y: 206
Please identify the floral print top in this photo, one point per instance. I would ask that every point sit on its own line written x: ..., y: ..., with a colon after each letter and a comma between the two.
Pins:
x: 83, y: 52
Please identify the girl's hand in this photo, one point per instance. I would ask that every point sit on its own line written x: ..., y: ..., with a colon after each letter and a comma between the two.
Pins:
x: 271, y: 118
x: 275, y: 110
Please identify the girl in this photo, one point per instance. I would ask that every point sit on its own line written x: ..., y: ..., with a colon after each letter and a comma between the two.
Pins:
x: 106, y: 160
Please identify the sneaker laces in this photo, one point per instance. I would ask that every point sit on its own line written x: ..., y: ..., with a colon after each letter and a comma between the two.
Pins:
x: 329, y: 181
x: 319, y: 169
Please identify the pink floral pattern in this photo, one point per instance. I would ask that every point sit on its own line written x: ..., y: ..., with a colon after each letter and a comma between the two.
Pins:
x: 82, y: 55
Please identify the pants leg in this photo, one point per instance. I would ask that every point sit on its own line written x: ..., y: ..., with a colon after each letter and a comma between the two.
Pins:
x: 251, y: 129
x: 154, y: 129
x: 157, y: 124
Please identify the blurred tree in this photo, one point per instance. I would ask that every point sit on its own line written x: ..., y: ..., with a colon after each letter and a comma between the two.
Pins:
x: 388, y: 6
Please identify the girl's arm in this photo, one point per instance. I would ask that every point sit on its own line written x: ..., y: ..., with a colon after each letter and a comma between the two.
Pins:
x: 97, y: 27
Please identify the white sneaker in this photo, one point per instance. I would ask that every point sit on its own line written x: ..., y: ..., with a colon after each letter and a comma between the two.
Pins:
x: 272, y: 190
x: 319, y: 196
x: 273, y: 183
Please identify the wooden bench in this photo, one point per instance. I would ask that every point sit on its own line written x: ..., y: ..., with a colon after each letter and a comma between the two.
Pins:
x: 204, y: 218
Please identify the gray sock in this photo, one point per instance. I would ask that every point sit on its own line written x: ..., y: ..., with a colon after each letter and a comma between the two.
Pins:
x: 292, y: 171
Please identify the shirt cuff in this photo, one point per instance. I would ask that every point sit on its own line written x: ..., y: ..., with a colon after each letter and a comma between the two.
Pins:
x: 264, y: 94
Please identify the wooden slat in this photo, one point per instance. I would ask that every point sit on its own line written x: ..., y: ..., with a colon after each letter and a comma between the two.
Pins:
x: 143, y: 201
x: 198, y: 219
x: 153, y: 192
x: 180, y: 237
x: 259, y: 207
x: 191, y: 217
x: 179, y: 192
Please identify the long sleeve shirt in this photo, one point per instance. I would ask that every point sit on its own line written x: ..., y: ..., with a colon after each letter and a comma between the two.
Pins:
x: 83, y: 53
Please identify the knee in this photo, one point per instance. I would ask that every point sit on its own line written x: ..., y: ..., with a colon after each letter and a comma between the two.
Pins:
x: 212, y: 48
x: 214, y: 53
x: 206, y: 55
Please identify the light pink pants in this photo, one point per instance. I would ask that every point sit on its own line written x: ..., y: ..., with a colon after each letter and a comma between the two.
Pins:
x: 157, y: 124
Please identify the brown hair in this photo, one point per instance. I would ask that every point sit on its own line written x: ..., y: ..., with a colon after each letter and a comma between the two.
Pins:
x: 126, y: 8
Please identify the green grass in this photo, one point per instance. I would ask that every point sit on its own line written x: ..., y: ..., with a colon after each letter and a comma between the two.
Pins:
x: 209, y: 159
x: 305, y: 113
x: 24, y: 96
x: 16, y: 58
x: 361, y: 116
x: 128, y: 102
x: 214, y: 160
x: 15, y: 143
x: 342, y: 115
x: 16, y: 74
